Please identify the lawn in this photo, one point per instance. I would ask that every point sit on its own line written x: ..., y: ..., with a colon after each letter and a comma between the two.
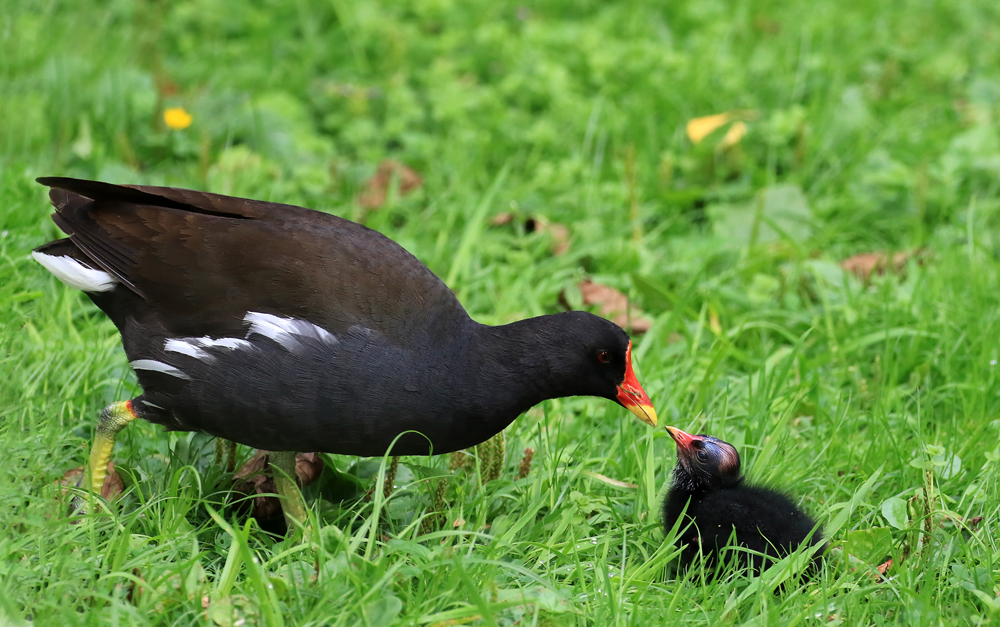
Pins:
x: 552, y: 145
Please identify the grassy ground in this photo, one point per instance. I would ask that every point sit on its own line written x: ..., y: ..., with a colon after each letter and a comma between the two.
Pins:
x: 871, y: 127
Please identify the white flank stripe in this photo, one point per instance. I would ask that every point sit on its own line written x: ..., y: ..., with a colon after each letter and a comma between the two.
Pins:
x: 285, y: 331
x: 75, y: 274
x: 195, y: 346
x: 232, y: 343
x: 270, y: 326
x: 157, y: 366
x: 186, y: 347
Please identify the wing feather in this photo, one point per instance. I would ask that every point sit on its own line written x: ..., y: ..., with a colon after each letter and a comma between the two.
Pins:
x: 202, y: 261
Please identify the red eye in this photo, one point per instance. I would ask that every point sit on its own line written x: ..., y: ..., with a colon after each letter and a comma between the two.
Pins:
x: 604, y: 357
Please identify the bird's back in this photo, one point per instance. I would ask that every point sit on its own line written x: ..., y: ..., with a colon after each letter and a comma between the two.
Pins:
x: 200, y: 262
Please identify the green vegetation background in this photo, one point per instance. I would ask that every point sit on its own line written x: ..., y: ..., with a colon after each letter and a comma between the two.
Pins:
x: 871, y: 127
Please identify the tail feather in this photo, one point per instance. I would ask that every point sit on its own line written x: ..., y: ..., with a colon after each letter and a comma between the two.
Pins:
x: 74, y: 200
x: 70, y: 265
x: 63, y: 187
x: 168, y: 197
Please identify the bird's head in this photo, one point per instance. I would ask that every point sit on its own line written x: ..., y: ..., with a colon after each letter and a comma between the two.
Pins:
x: 703, y: 462
x: 587, y: 355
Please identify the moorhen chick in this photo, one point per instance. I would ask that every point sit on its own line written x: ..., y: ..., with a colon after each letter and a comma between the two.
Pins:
x: 707, y: 482
x: 288, y: 329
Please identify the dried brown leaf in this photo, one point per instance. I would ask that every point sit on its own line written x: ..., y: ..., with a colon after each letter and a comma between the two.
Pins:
x: 614, y: 306
x: 308, y: 467
x: 502, y: 218
x: 864, y: 265
x: 71, y: 476
x: 111, y: 487
x: 377, y: 187
x: 884, y: 567
x: 254, y: 478
x: 971, y: 523
x: 253, y: 467
x: 558, y: 233
x: 560, y: 238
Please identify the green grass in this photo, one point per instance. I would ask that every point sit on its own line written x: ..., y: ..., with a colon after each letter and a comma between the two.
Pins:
x: 873, y: 127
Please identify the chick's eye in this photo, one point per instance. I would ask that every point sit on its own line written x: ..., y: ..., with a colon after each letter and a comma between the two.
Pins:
x: 604, y: 357
x: 702, y: 456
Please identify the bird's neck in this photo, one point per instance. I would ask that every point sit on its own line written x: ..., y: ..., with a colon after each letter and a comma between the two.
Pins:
x: 502, y: 372
x: 688, y: 485
x: 528, y: 359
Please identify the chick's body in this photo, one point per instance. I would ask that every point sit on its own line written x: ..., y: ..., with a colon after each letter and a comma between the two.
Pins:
x: 721, y: 505
x: 764, y: 521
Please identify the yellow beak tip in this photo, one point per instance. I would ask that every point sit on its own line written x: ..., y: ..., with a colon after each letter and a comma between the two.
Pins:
x: 645, y: 413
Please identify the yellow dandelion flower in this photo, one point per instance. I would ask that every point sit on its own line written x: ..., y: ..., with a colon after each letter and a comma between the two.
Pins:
x: 177, y: 118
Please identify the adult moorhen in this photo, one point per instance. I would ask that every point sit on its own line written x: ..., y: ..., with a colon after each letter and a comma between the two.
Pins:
x: 709, y: 491
x: 288, y: 329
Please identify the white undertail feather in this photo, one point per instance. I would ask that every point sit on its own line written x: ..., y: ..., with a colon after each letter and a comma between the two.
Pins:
x: 75, y: 274
x: 285, y: 331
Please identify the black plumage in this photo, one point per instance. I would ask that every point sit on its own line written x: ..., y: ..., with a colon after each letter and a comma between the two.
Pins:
x: 289, y: 329
x: 717, y: 503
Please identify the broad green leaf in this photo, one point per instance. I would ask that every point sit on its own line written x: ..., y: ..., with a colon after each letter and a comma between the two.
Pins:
x: 869, y: 545
x: 894, y: 512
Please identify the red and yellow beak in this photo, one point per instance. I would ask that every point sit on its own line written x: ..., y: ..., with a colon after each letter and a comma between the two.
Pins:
x: 632, y: 396
x: 683, y: 440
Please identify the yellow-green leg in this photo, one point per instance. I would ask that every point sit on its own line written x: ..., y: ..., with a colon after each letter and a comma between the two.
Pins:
x: 114, y: 418
x: 283, y: 469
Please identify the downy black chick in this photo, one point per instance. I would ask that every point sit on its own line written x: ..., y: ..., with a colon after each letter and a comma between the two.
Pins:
x: 708, y: 483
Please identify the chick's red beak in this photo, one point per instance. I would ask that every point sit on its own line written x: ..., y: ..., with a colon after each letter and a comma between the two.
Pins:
x: 683, y: 440
x: 632, y: 396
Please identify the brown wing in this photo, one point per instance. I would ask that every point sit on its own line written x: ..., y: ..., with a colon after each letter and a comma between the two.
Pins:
x: 202, y: 261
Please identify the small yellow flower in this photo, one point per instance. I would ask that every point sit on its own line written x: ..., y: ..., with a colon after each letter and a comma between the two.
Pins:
x: 177, y: 118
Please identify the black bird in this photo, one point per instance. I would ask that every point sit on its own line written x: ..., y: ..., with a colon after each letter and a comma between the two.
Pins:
x: 719, y: 503
x: 288, y: 329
